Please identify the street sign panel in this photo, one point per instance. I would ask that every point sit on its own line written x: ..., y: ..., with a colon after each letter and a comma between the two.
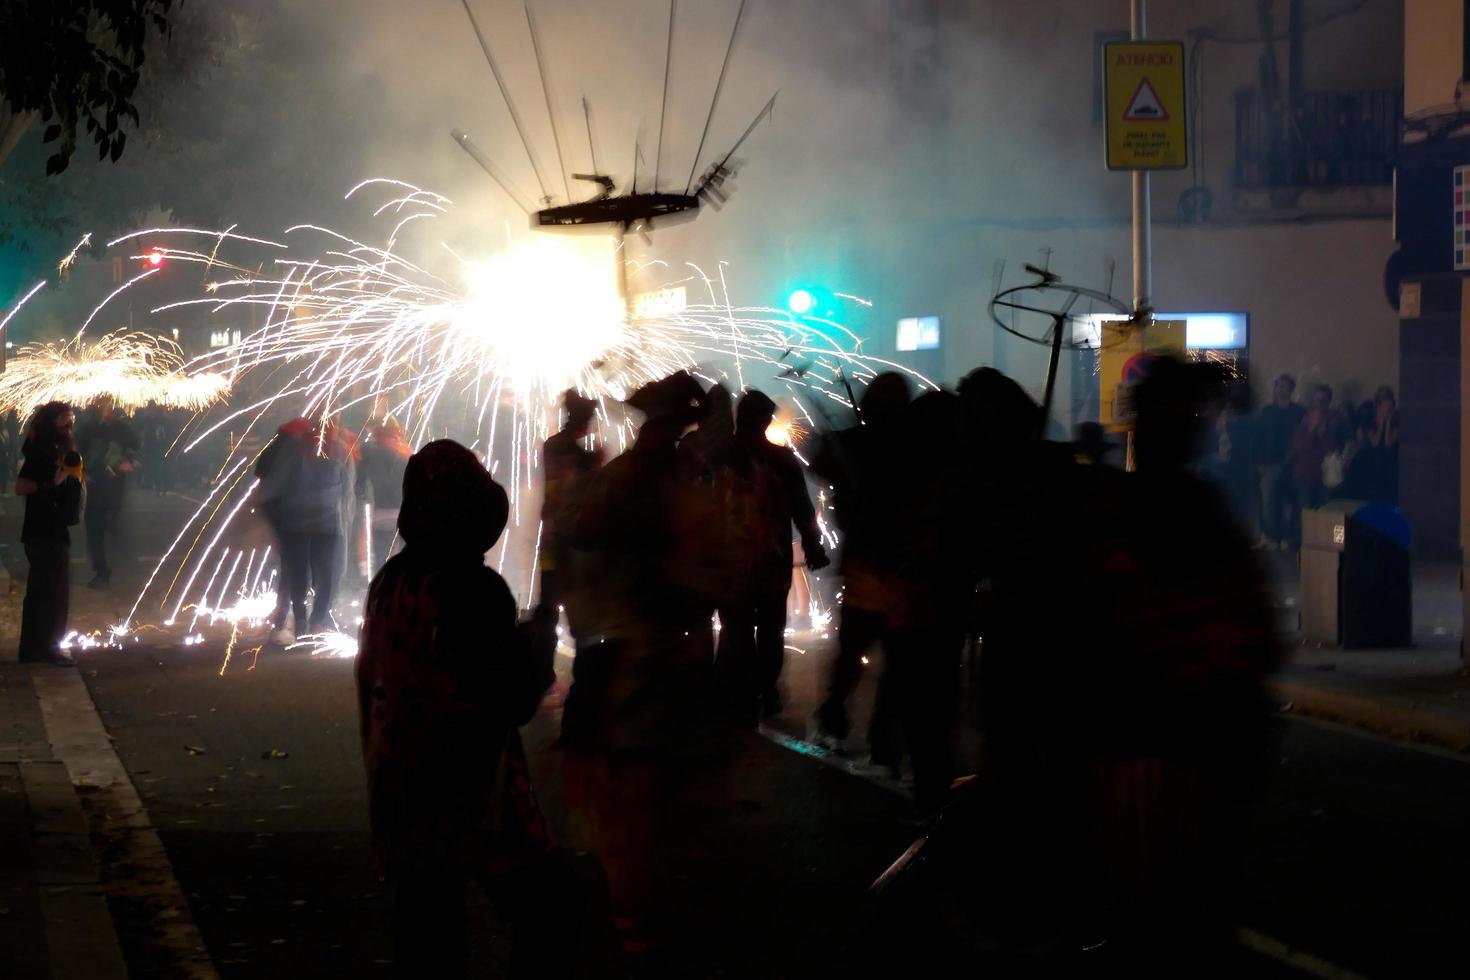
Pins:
x: 1123, y: 361
x: 1144, y: 90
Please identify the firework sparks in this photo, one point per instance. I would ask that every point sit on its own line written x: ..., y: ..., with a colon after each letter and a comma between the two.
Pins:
x: 485, y: 348
x: 132, y: 369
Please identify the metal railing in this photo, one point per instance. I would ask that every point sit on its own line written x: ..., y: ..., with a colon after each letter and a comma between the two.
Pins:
x: 1326, y: 139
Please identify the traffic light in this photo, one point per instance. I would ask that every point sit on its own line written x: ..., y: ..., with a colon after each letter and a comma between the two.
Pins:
x: 154, y: 258
x: 813, y: 301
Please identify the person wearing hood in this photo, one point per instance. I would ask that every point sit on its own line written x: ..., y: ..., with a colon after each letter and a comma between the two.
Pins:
x: 445, y: 679
x: 380, y: 480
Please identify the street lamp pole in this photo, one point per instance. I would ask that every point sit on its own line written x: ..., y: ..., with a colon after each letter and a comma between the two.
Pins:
x: 1142, y: 217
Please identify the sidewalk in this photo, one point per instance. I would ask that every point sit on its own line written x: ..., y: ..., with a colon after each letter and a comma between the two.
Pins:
x: 1421, y: 693
x: 54, y: 920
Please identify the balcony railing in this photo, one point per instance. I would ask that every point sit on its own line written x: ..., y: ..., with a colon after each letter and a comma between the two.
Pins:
x: 1328, y: 139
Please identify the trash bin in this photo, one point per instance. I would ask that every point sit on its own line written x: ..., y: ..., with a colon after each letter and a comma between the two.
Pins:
x: 1357, y: 586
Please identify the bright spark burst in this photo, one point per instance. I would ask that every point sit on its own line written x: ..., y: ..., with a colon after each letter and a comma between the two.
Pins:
x: 329, y: 644
x: 133, y: 369
x: 482, y: 350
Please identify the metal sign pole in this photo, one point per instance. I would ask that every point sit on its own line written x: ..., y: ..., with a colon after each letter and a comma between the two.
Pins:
x: 1142, y: 218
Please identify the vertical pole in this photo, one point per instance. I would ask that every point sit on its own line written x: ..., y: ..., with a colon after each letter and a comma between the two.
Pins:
x: 1142, y: 218
x: 622, y: 260
x: 1142, y: 243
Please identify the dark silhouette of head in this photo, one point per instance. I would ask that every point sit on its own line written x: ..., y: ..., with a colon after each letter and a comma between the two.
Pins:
x: 885, y: 401
x: 451, y: 504
x: 1171, y: 406
x: 581, y: 410
x: 719, y: 410
x: 753, y: 416
x: 934, y: 422
x: 1283, y: 389
x: 669, y: 406
x: 998, y: 414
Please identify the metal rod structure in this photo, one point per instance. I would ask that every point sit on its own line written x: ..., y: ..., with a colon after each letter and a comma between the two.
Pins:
x: 591, y: 144
x: 546, y: 92
x: 515, y: 117
x: 715, y: 100
x: 658, y: 156
x: 716, y: 170
x: 464, y: 143
x: 1142, y: 217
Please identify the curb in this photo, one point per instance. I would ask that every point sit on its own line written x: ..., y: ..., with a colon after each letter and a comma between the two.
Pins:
x: 1385, y: 717
x: 137, y: 875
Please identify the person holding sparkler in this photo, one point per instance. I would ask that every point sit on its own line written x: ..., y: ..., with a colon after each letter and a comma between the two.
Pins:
x: 444, y: 675
x: 50, y: 480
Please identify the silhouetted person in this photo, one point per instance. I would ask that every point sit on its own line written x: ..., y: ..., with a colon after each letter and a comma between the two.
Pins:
x: 445, y: 678
x: 1309, y: 448
x: 1373, y: 473
x: 567, y: 464
x: 1278, y: 425
x: 925, y: 634
x: 1181, y: 713
x: 308, y: 482
x: 380, y: 478
x: 862, y: 465
x: 712, y: 444
x: 641, y: 725
x: 111, y: 450
x: 770, y: 496
x: 50, y: 480
x: 1237, y: 456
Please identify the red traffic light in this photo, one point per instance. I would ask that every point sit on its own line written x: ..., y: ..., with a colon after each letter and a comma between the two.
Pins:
x: 155, y: 258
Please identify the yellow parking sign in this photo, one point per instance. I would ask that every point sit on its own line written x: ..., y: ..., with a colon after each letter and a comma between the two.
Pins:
x: 1144, y: 86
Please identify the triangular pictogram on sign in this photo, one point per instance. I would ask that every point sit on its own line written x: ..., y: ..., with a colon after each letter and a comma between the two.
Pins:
x: 1145, y: 105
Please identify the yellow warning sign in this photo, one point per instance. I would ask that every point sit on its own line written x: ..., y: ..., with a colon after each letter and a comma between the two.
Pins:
x: 1144, y: 85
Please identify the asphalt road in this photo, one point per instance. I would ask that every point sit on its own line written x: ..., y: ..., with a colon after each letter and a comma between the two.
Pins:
x: 273, y: 852
x: 1356, y: 855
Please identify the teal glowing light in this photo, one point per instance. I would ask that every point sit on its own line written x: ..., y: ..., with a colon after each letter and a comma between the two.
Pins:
x: 800, y: 302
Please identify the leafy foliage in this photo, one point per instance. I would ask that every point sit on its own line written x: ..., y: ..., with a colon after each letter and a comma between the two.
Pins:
x: 77, y: 63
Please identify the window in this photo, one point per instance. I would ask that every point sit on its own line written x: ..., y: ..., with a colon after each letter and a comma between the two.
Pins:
x: 918, y: 333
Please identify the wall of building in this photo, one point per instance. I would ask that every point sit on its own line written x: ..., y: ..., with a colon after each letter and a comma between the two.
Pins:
x: 1433, y: 52
x: 982, y: 146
